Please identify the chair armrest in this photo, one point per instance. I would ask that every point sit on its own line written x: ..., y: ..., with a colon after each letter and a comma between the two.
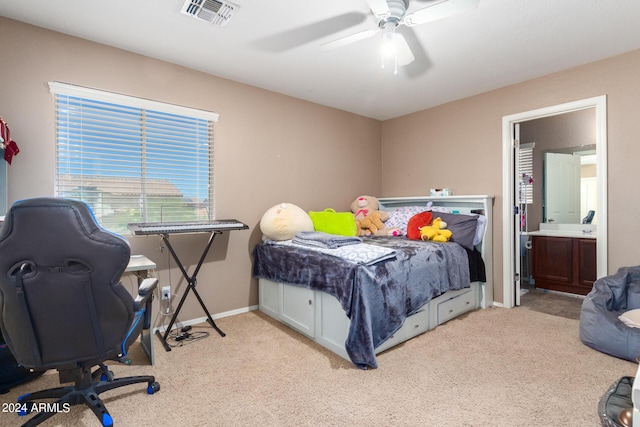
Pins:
x: 147, y: 286
x: 145, y: 292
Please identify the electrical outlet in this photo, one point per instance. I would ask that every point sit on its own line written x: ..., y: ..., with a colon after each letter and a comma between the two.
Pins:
x: 166, y: 292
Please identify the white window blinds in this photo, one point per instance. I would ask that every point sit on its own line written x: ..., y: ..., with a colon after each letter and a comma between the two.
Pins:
x: 525, y: 168
x: 131, y: 159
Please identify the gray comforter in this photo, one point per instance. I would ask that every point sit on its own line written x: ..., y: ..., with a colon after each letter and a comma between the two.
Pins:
x: 377, y: 298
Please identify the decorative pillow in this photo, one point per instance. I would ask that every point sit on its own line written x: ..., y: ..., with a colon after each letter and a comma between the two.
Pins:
x: 482, y: 225
x: 462, y: 226
x: 399, y: 218
x: 417, y: 221
x: 631, y: 318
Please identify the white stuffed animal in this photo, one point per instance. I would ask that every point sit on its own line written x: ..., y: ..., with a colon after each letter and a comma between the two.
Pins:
x: 283, y: 221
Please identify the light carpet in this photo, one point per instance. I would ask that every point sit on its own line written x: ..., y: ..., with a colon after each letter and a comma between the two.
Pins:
x: 493, y: 367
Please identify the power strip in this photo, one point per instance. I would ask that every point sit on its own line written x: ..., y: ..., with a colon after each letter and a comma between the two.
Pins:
x: 183, y: 336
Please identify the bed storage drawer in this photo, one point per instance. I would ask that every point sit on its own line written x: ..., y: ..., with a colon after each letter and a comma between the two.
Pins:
x: 332, y: 324
x: 456, y: 303
x: 417, y: 323
x: 269, y: 297
x: 298, y: 309
x: 292, y: 305
x: 393, y: 340
x: 413, y: 325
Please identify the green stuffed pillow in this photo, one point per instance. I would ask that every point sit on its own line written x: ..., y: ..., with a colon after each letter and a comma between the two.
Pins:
x: 332, y: 222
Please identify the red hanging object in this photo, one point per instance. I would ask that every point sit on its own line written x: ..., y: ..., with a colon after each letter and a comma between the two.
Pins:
x: 10, y: 147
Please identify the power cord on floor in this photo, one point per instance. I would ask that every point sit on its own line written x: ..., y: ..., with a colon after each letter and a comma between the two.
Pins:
x: 183, y: 336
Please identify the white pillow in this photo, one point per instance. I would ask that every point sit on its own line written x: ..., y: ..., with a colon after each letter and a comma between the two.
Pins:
x: 631, y: 318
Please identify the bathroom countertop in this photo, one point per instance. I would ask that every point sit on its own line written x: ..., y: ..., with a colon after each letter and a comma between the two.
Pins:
x: 582, y: 231
x: 563, y: 233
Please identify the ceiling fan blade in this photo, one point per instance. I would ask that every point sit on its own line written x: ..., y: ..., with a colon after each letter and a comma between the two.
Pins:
x: 299, y: 36
x: 422, y: 63
x: 348, y: 40
x: 438, y: 10
x: 380, y: 8
x: 404, y: 55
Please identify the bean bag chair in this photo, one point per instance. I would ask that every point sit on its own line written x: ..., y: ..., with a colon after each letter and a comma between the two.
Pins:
x: 600, y: 325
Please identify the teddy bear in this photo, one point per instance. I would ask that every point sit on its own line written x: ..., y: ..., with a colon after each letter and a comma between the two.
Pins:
x: 436, y: 231
x: 371, y: 224
x: 370, y: 220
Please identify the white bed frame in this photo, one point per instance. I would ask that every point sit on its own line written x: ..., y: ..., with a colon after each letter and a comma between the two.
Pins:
x: 319, y: 315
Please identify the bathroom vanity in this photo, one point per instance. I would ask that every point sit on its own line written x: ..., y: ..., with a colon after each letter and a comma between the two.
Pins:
x: 564, y: 257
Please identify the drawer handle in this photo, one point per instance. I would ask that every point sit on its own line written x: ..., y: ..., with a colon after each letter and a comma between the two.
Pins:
x: 451, y: 311
x: 468, y: 302
x: 310, y: 302
x: 416, y: 326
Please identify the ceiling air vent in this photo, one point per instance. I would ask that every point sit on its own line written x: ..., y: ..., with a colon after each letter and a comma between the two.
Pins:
x: 213, y: 11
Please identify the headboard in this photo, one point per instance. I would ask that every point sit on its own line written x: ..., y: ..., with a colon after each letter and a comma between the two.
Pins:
x: 458, y: 204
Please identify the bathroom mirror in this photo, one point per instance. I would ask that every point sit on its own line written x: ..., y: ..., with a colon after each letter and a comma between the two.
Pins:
x: 572, y: 136
x: 569, y: 186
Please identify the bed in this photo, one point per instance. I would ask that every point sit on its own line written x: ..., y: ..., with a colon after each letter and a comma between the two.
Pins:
x: 360, y: 307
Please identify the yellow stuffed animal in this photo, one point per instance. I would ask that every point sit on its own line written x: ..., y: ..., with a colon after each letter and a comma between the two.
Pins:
x: 436, y: 231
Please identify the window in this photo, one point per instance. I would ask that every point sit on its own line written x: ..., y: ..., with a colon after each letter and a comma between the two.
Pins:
x: 525, y: 168
x: 131, y: 159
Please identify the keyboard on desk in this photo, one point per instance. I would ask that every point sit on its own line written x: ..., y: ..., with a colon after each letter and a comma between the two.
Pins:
x: 186, y: 227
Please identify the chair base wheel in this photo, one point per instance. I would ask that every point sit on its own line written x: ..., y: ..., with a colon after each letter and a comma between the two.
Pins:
x: 153, y: 387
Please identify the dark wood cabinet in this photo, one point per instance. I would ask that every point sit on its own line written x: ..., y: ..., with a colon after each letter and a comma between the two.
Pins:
x: 564, y: 264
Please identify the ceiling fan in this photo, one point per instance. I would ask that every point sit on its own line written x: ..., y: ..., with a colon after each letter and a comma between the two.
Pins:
x: 389, y: 15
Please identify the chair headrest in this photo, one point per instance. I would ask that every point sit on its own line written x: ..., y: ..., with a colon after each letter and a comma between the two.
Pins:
x: 49, y: 231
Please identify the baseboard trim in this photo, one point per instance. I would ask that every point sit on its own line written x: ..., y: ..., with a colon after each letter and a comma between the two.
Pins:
x: 182, y: 324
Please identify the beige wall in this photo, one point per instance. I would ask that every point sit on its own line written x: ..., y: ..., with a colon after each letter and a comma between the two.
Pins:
x: 459, y: 145
x: 269, y: 148
x: 272, y: 148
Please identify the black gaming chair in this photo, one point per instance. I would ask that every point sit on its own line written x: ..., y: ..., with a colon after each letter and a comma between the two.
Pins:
x: 62, y: 305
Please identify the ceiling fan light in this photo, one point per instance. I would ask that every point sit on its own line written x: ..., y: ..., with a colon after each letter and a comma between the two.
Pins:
x: 389, y: 47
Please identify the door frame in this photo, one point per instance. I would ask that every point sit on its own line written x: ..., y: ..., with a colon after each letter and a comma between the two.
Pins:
x: 510, y: 238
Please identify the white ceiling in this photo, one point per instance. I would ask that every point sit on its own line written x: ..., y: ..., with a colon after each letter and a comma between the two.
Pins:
x: 275, y: 44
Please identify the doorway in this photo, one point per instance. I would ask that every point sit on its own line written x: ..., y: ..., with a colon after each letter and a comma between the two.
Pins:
x: 511, y: 214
